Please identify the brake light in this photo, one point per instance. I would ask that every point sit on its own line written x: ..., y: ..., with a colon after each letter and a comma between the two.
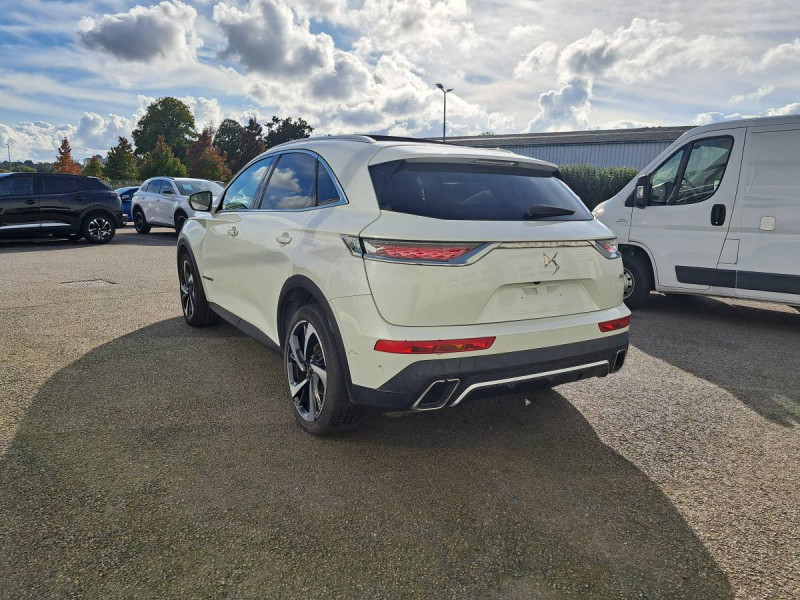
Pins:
x: 607, y: 248
x: 416, y: 251
x: 615, y: 324
x: 434, y: 346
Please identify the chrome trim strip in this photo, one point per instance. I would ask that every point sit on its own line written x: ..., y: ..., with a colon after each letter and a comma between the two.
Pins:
x: 35, y: 225
x: 468, y: 258
x: 558, y: 244
x: 484, y: 384
x: 415, y: 406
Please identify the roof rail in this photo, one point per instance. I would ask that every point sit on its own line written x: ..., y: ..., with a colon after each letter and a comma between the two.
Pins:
x: 356, y: 137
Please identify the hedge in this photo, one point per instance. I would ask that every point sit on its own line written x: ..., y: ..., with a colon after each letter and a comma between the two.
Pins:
x: 596, y: 184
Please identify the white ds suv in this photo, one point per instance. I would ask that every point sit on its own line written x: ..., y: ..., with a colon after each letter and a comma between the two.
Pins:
x: 164, y: 201
x: 405, y: 275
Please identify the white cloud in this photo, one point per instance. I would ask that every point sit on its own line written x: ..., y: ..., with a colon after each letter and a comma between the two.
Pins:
x: 565, y: 108
x: 782, y: 53
x: 535, y: 60
x: 163, y: 31
x: 793, y: 108
x: 764, y: 90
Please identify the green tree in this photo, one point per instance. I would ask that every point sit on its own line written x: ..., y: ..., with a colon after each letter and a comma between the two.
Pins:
x: 286, y: 130
x: 205, y: 161
x: 94, y: 168
x: 251, y: 142
x: 64, y: 161
x: 166, y: 118
x: 228, y: 139
x: 121, y: 161
x: 161, y: 161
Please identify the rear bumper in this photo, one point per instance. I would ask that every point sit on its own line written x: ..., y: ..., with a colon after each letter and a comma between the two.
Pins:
x: 437, y: 383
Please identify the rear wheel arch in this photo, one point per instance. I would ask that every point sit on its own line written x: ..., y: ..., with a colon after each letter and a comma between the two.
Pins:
x: 639, y: 253
x: 639, y: 274
x: 299, y: 291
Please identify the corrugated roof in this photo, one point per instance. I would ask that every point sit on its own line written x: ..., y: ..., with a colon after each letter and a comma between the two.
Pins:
x: 594, y: 136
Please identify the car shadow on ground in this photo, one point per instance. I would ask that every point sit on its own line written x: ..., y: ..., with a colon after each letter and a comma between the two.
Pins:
x: 167, y: 463
x: 126, y: 236
x: 749, y: 350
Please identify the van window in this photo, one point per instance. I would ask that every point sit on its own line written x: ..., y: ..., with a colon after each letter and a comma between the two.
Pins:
x: 662, y: 181
x: 704, y: 169
x: 474, y: 192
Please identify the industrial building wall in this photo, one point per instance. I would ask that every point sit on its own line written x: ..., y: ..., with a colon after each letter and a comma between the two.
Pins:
x: 623, y: 154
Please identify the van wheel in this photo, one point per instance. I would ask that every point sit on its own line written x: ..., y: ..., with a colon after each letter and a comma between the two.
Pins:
x: 638, y: 281
x: 98, y: 228
x: 317, y: 390
x: 139, y: 222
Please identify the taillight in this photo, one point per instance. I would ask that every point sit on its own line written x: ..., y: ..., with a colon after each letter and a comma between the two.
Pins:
x: 434, y: 346
x: 607, y: 248
x: 416, y: 251
x: 614, y: 324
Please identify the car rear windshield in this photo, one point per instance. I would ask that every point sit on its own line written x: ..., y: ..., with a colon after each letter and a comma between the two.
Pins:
x: 475, y: 192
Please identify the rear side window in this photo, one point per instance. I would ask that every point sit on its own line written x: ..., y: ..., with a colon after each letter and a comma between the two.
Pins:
x: 89, y: 183
x: 59, y: 185
x: 326, y: 189
x: 166, y: 187
x: 292, y: 183
x: 474, y: 192
x: 16, y: 186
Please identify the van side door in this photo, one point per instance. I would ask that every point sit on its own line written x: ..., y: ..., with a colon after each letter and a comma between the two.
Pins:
x: 768, y: 228
x: 692, y: 200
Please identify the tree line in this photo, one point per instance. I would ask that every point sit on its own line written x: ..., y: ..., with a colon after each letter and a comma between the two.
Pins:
x: 166, y: 142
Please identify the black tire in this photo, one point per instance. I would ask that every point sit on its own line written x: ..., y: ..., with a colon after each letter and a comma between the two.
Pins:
x: 98, y: 228
x: 195, y: 307
x: 140, y: 222
x: 75, y: 237
x: 180, y: 220
x: 335, y: 413
x: 638, y: 281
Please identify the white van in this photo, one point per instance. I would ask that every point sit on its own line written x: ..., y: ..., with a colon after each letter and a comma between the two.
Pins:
x: 716, y: 213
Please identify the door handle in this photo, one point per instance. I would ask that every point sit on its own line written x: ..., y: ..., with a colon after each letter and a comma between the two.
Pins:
x: 718, y: 215
x: 283, y: 239
x: 79, y: 197
x: 233, y: 232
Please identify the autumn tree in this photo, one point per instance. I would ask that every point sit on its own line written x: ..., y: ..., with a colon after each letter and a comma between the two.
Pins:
x: 161, y: 161
x: 94, y: 168
x: 205, y: 161
x: 121, y: 161
x: 251, y: 142
x: 64, y: 161
x: 286, y: 130
x: 168, y: 119
x: 228, y: 140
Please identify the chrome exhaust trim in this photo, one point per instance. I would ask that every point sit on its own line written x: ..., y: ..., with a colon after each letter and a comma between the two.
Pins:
x: 509, y: 380
x: 436, y: 403
x: 619, y: 360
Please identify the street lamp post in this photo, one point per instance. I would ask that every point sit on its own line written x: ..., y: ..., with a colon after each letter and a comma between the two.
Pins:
x: 444, y: 116
x: 8, y: 145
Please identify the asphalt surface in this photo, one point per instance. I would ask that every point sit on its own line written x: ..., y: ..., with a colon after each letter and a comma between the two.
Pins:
x: 142, y: 458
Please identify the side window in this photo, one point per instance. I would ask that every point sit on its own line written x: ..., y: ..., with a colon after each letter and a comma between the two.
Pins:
x: 16, y: 186
x: 326, y: 190
x: 150, y: 186
x: 704, y: 169
x: 166, y: 187
x: 292, y: 183
x: 59, y: 185
x: 663, y: 179
x: 241, y: 192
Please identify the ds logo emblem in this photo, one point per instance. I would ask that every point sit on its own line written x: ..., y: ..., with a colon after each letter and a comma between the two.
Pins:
x: 551, y: 261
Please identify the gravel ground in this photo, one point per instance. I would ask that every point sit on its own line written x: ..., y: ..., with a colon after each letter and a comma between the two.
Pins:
x: 142, y: 458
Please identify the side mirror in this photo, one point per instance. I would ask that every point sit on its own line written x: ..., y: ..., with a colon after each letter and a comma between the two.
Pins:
x: 642, y: 193
x: 201, y: 201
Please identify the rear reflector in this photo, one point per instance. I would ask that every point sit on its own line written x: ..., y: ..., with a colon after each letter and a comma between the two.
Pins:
x: 434, y: 346
x: 621, y: 323
x: 425, y: 251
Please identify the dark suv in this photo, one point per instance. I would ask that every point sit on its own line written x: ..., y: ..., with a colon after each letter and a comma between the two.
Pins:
x: 71, y: 206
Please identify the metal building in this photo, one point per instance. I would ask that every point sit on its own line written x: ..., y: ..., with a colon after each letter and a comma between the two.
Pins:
x: 601, y: 147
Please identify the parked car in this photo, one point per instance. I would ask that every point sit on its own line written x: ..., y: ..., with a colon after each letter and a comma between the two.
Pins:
x: 716, y: 213
x: 59, y: 205
x: 126, y: 195
x: 405, y: 275
x: 164, y: 201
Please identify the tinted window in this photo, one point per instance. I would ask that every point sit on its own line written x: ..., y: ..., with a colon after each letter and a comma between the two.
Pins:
x: 326, y: 190
x: 663, y: 179
x: 150, y: 186
x: 241, y: 193
x: 474, y: 192
x: 89, y: 183
x: 704, y: 169
x: 16, y: 186
x: 166, y: 187
x: 291, y: 184
x: 59, y: 185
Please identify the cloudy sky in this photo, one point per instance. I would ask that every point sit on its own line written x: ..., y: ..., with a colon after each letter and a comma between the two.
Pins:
x: 88, y: 68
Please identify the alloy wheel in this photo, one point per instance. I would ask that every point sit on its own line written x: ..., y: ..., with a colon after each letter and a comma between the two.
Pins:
x: 187, y: 289
x: 138, y: 220
x: 99, y: 229
x: 306, y: 370
x: 630, y: 283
